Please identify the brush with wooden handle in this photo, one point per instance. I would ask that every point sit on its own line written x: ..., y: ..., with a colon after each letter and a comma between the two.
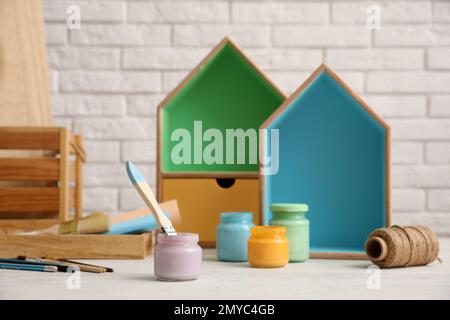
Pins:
x: 97, y: 222
x: 142, y: 187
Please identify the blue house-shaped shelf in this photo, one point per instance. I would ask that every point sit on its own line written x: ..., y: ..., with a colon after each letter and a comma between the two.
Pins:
x: 334, y: 156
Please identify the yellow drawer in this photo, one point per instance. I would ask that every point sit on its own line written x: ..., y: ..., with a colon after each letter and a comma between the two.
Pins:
x: 201, y: 200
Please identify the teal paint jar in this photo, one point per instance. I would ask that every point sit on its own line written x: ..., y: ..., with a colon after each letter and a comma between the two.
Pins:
x: 292, y: 216
x: 232, y: 236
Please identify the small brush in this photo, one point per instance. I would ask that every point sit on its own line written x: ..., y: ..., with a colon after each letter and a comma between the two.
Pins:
x: 28, y: 267
x: 86, y: 267
x: 141, y: 185
x: 23, y: 260
x: 97, y: 222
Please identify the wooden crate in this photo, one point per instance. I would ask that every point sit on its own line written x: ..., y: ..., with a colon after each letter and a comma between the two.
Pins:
x: 40, y: 190
x: 77, y: 246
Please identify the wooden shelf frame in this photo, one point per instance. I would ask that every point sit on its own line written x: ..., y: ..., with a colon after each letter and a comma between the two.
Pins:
x: 387, y: 156
x: 37, y: 191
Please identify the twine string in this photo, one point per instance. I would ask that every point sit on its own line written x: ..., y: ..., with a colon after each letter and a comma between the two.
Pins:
x: 405, y: 246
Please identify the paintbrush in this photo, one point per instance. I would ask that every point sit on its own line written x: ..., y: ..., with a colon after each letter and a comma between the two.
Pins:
x: 97, y: 222
x: 63, y: 265
x: 28, y: 267
x: 141, y: 185
x: 36, y: 262
x: 87, y: 267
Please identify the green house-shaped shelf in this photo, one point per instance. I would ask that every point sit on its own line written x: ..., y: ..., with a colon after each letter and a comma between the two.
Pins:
x: 334, y: 156
x: 226, y: 91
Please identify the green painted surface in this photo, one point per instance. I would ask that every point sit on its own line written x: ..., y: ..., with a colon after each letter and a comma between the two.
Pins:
x: 227, y: 93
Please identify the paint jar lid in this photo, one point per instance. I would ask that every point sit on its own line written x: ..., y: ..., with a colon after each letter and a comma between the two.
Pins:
x: 268, y: 231
x: 289, y: 207
x: 236, y: 216
x: 179, y: 238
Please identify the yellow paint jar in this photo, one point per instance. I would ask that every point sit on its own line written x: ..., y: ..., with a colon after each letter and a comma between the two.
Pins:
x: 268, y: 247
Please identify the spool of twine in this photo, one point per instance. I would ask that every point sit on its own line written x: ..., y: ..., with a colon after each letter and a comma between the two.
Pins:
x: 398, y: 246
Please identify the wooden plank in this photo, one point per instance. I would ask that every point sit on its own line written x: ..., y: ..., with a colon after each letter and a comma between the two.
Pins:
x: 19, y: 138
x: 77, y: 147
x: 72, y: 171
x: 158, y: 168
x: 31, y: 129
x: 24, y: 85
x: 24, y: 79
x: 26, y: 224
x: 72, y: 198
x: 211, y: 175
x: 64, y: 175
x: 28, y: 215
x: 77, y: 246
x: 388, y: 176
x: 338, y: 255
x: 29, y: 200
x: 34, y: 169
x: 78, y: 203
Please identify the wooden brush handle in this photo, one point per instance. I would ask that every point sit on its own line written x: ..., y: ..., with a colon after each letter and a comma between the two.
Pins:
x: 150, y: 200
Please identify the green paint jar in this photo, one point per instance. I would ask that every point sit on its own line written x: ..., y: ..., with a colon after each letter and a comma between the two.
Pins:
x: 292, y: 216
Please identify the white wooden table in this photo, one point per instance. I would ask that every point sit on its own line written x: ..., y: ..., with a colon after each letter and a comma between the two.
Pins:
x: 315, y: 279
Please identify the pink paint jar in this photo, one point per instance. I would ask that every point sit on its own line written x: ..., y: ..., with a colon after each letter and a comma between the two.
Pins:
x: 178, y: 258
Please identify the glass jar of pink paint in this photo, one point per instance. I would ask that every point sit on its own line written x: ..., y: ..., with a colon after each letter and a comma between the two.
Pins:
x: 178, y: 258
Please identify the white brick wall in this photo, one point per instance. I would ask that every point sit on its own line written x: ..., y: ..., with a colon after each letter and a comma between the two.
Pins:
x: 392, y: 11
x: 108, y: 78
x: 178, y: 12
x: 288, y: 12
x: 208, y: 35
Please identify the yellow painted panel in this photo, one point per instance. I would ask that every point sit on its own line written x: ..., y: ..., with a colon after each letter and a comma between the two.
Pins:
x: 201, y: 200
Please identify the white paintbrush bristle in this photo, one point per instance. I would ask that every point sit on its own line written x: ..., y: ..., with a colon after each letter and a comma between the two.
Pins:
x: 169, y: 230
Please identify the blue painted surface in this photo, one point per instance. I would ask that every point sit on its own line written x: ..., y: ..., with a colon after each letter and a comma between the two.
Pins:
x: 133, y: 173
x: 332, y: 157
x: 138, y: 225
